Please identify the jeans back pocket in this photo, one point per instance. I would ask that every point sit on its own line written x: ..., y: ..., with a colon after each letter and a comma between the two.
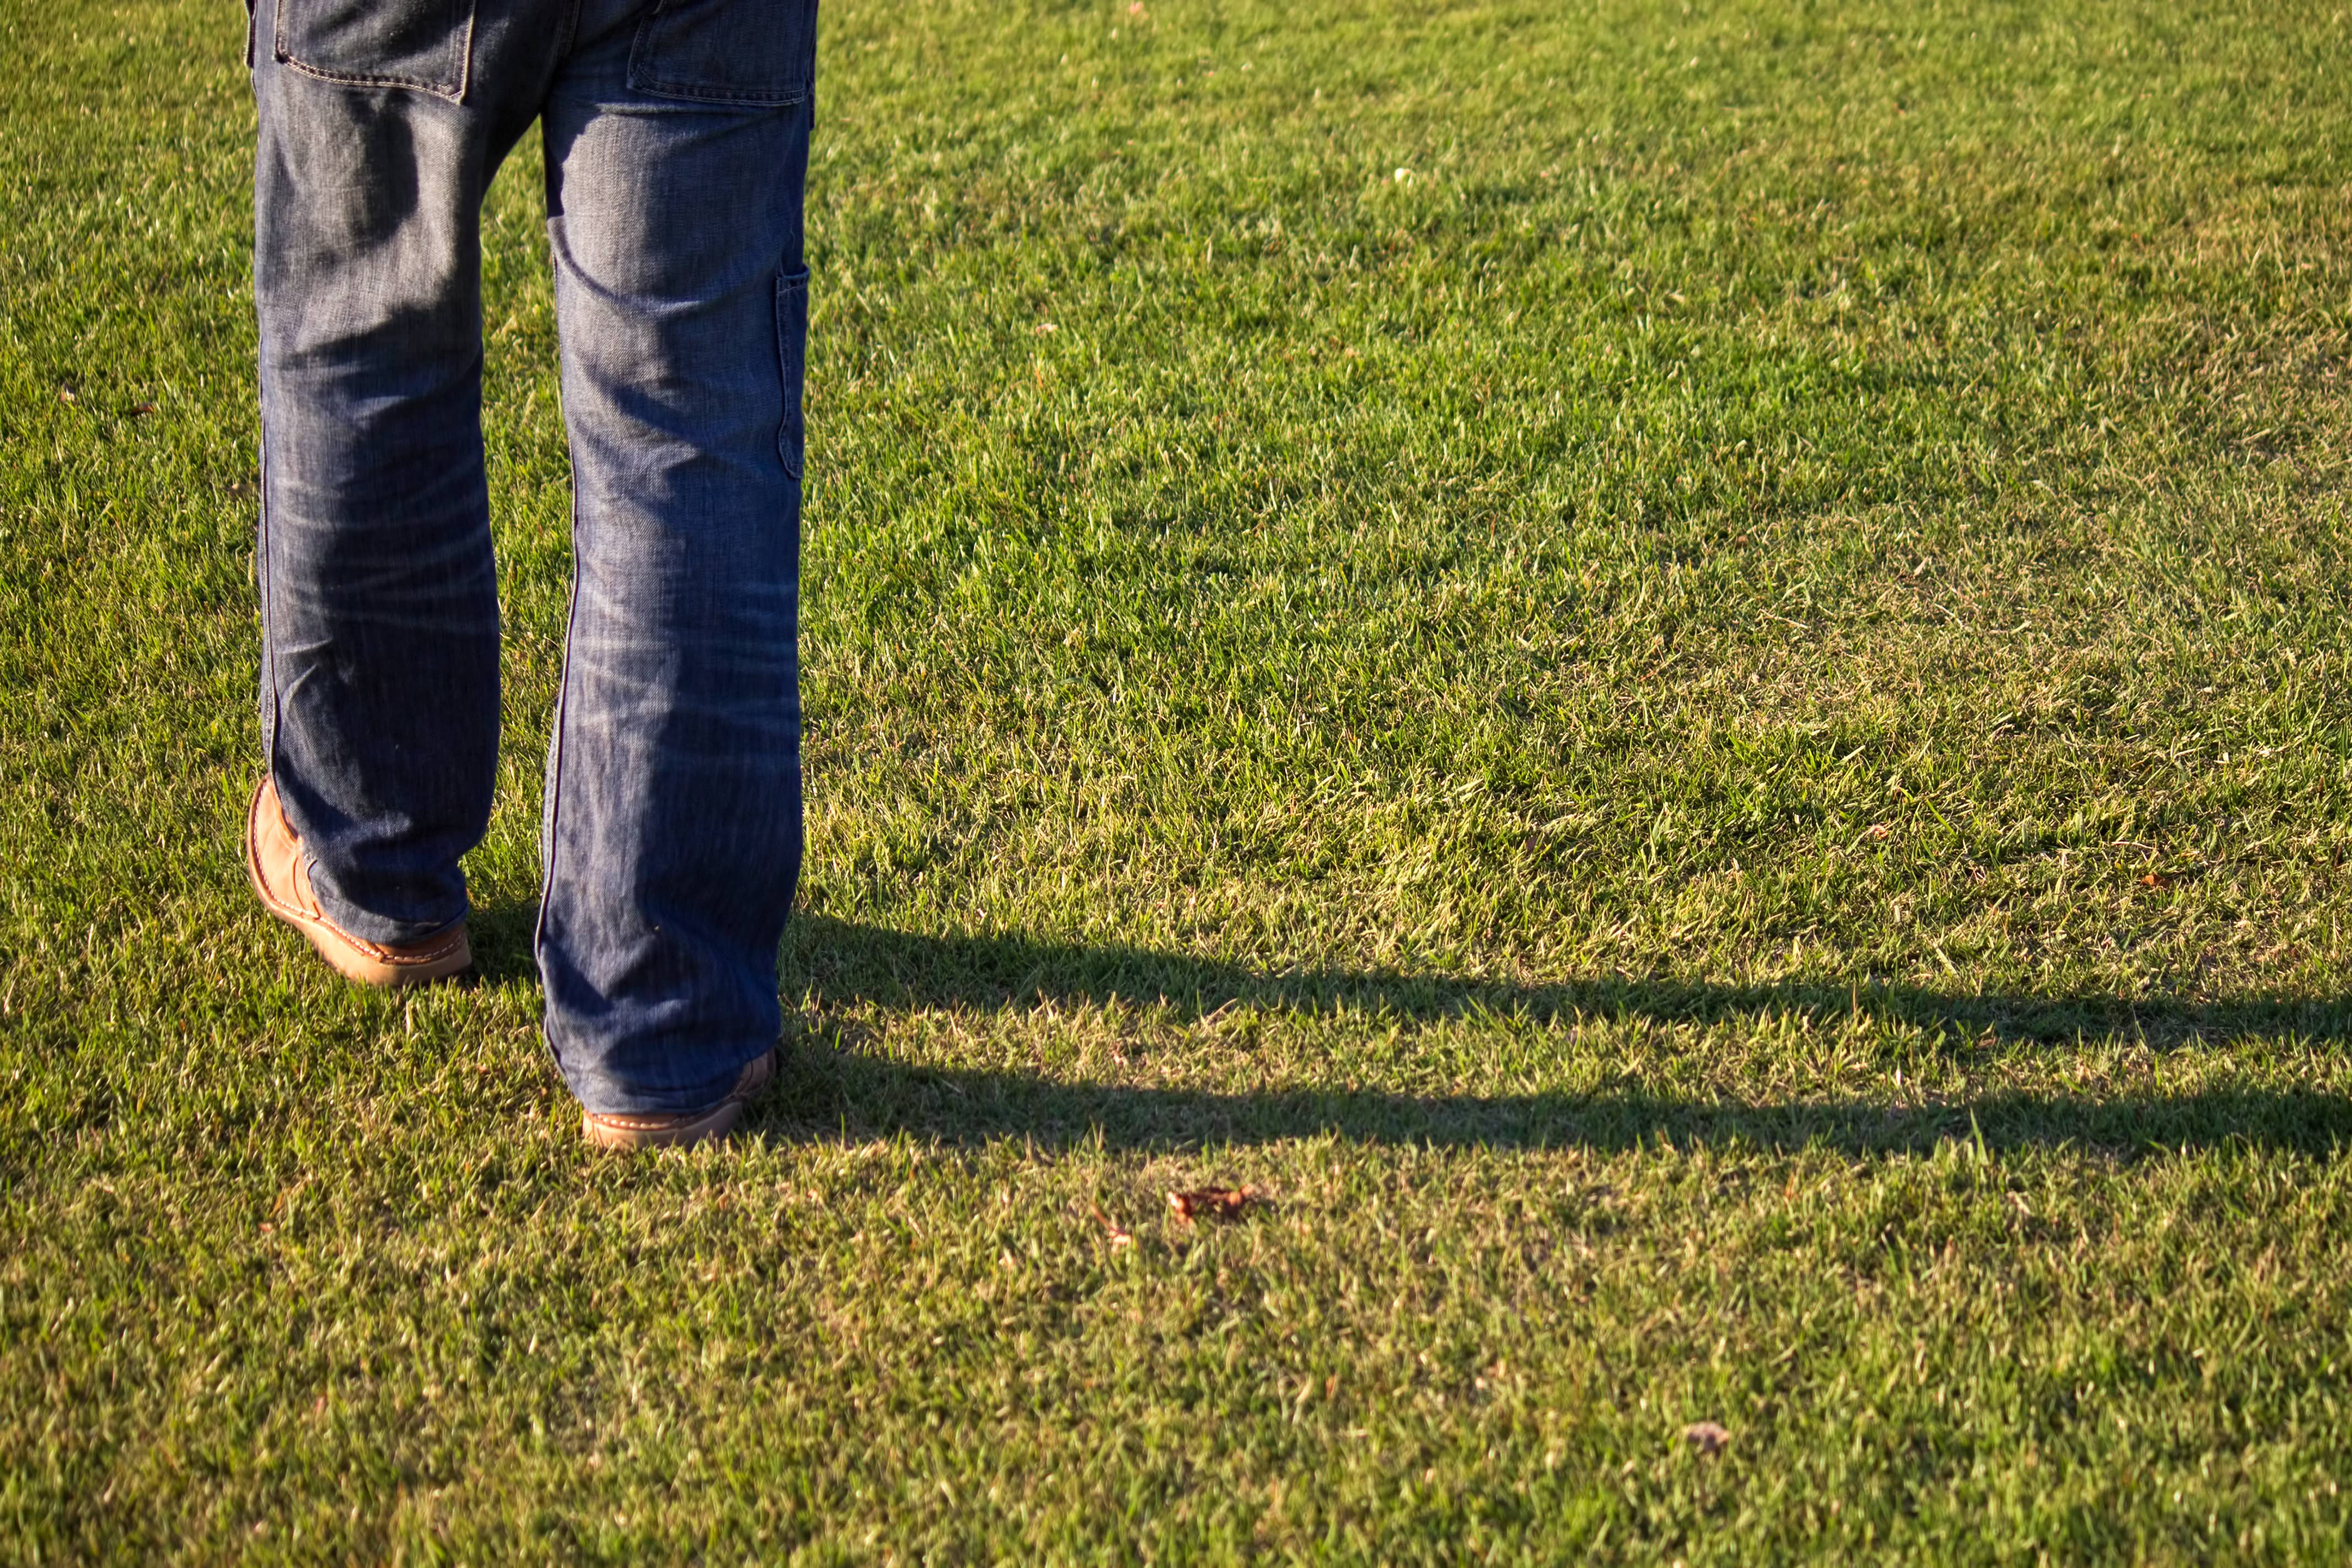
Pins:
x: 750, y: 52
x: 422, y: 44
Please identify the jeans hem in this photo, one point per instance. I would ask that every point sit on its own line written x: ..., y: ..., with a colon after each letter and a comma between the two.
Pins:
x: 352, y: 920
x: 604, y: 1094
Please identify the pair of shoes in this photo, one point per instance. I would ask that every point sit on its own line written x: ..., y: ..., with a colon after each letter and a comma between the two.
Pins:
x: 635, y: 1130
x: 281, y: 876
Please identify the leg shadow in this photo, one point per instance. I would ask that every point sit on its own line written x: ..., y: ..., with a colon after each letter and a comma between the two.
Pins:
x: 823, y: 1091
x: 844, y: 962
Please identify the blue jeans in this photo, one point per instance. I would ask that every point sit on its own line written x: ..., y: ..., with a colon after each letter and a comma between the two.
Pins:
x: 677, y: 142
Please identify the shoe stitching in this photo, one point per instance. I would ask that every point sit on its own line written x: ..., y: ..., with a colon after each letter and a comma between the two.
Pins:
x: 623, y: 1121
x: 650, y: 1120
x: 441, y: 947
x: 383, y: 954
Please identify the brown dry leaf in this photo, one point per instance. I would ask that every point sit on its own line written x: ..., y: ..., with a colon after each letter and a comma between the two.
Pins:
x: 1705, y: 1436
x: 1213, y: 1203
x: 139, y: 408
x: 1118, y: 1234
x: 2155, y: 879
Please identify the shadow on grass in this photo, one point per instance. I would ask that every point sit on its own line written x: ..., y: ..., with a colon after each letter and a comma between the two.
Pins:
x: 837, y: 962
x: 841, y: 961
x: 823, y: 1094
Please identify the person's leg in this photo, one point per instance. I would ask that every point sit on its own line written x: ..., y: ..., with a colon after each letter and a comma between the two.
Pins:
x: 381, y: 123
x: 677, y: 147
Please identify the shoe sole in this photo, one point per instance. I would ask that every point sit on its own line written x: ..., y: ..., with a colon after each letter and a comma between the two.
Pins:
x: 451, y: 954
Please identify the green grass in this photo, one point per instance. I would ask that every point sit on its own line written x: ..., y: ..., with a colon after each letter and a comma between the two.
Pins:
x: 1596, y: 716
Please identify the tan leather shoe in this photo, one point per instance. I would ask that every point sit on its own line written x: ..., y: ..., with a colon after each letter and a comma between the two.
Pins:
x: 281, y: 875
x: 629, y: 1130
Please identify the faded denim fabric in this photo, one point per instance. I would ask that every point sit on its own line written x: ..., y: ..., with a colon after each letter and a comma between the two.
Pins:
x: 677, y: 144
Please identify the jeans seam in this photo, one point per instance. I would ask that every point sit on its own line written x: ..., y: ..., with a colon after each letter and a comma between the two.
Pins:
x: 455, y: 94
x: 555, y: 772
x: 571, y: 39
x: 792, y: 283
x: 763, y: 97
x: 268, y: 622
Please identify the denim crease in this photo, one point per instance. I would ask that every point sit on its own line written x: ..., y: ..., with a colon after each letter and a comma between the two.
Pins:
x: 677, y: 145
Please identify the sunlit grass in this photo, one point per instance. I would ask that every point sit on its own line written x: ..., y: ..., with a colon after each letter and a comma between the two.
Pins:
x: 1679, y: 670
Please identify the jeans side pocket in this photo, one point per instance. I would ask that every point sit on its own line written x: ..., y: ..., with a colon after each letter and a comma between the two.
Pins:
x: 747, y: 52
x: 791, y: 352
x: 428, y: 44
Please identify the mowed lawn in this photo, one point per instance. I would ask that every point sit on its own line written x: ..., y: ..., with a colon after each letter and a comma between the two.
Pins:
x: 1679, y: 671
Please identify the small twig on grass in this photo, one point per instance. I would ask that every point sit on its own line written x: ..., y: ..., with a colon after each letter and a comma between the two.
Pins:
x: 1118, y: 1233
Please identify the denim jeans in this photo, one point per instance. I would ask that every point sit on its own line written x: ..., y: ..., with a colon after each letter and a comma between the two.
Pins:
x: 677, y: 147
